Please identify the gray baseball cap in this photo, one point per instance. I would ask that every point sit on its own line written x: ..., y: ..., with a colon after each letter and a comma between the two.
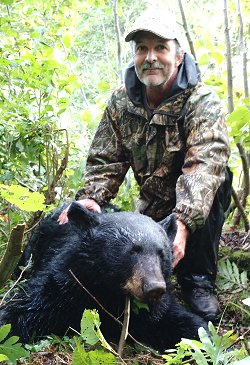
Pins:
x: 154, y: 22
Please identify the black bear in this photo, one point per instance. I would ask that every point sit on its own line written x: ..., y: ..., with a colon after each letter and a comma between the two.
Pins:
x: 112, y: 255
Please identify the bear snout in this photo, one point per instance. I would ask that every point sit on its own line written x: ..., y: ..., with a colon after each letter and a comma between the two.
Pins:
x: 153, y: 290
x: 146, y: 289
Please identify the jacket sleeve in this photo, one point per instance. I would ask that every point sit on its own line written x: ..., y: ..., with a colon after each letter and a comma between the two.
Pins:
x: 207, y: 153
x: 107, y: 162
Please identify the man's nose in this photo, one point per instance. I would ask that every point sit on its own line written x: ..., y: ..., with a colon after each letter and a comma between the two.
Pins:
x: 151, y: 56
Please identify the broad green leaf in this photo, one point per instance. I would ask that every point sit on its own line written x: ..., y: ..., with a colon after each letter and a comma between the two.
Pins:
x: 7, y: 2
x: 22, y: 197
x: 4, y: 331
x: 13, y: 351
x: 67, y: 40
x: 88, y: 326
x: 239, y: 117
x: 79, y: 355
x: 101, y: 357
x: 206, y: 342
x: 245, y: 361
x: 218, y: 57
x: 103, y: 86
x: 204, y: 59
x: 197, y: 353
x: 98, y: 356
x: 3, y: 357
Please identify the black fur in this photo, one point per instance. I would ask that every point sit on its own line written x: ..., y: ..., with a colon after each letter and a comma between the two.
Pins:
x: 111, y: 254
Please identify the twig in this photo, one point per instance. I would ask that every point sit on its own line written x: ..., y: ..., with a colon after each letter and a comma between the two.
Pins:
x: 124, y: 332
x: 2, y: 231
x: 114, y: 318
x: 246, y: 244
x: 242, y: 337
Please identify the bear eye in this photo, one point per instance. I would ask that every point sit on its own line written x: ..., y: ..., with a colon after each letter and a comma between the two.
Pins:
x: 136, y: 248
x: 161, y: 253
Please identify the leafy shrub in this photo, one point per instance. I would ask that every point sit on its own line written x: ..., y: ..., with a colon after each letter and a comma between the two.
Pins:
x: 229, y: 277
x: 91, y: 335
x: 10, y: 349
x: 212, y: 350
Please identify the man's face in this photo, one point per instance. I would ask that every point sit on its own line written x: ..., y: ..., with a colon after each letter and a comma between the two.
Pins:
x: 155, y: 59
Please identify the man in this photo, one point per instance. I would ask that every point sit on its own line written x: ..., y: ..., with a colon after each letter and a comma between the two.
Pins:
x: 169, y: 127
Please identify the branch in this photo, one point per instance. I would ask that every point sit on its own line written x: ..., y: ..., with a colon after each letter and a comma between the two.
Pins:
x: 50, y: 194
x: 12, y: 254
x: 246, y: 182
x: 229, y: 61
x: 118, y: 36
x: 185, y: 26
x: 243, y: 49
x: 111, y: 315
x: 241, y: 210
x: 124, y: 333
x: 246, y: 242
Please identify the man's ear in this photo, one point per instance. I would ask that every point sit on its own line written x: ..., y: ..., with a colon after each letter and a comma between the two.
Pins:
x: 82, y: 217
x: 179, y: 57
x: 170, y: 226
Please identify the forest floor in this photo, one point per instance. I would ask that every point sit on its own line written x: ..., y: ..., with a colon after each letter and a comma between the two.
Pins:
x: 54, y: 351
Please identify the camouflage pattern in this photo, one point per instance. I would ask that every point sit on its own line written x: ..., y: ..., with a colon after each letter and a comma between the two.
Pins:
x: 174, y: 172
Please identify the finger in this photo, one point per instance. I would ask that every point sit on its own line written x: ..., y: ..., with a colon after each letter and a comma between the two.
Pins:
x: 92, y: 205
x: 175, y: 262
x: 63, y: 217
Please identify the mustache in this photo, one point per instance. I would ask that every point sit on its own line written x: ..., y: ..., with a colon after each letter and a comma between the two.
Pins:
x: 148, y: 65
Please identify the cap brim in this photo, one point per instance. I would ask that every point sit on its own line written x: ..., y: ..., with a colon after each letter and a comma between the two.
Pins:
x: 131, y: 35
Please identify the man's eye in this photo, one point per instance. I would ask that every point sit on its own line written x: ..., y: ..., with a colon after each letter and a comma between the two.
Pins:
x: 161, y: 47
x: 140, y: 49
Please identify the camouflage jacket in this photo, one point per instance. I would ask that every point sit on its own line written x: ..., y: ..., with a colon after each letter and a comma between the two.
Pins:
x: 177, y: 170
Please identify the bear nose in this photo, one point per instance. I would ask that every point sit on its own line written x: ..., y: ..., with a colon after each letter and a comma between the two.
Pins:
x: 154, y: 290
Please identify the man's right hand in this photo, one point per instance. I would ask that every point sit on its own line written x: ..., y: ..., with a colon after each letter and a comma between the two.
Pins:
x: 87, y: 203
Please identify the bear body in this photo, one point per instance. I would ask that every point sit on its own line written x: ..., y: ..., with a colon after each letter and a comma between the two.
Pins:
x: 112, y: 255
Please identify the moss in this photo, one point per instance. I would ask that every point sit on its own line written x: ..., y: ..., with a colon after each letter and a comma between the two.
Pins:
x: 240, y: 257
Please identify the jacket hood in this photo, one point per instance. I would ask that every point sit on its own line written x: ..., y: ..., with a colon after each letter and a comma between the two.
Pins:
x: 188, y: 76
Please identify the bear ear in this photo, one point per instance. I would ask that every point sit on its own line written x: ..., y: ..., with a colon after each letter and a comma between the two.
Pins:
x: 81, y: 216
x: 170, y: 226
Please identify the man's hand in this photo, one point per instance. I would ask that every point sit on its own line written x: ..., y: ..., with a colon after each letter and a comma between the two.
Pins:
x: 87, y: 203
x: 179, y: 244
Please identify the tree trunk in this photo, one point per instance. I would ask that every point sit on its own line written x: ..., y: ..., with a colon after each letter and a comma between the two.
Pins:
x: 12, y: 254
x: 185, y: 26
x: 229, y: 61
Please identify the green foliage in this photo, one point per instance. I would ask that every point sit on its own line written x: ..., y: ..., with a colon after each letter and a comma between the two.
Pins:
x: 210, y: 350
x: 22, y: 197
x: 10, y: 349
x: 92, y: 335
x: 137, y: 305
x: 229, y: 277
x: 128, y: 193
x: 239, y: 121
x: 93, y: 357
x: 37, y: 82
